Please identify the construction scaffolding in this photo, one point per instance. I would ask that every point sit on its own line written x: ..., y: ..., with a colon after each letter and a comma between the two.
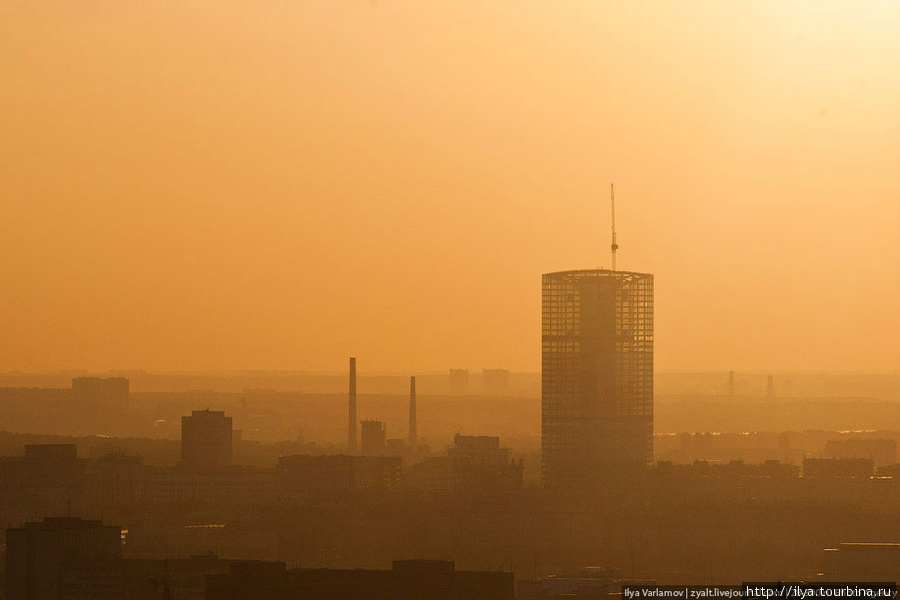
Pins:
x: 597, y: 376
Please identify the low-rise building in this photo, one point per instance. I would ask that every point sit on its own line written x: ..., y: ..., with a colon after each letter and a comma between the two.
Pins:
x: 407, y: 580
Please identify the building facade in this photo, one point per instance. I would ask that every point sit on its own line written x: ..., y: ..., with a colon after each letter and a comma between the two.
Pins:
x: 476, y: 464
x: 407, y: 580
x: 373, y: 438
x: 597, y: 376
x: 206, y: 440
x: 233, y: 486
x: 39, y: 555
x: 302, y: 475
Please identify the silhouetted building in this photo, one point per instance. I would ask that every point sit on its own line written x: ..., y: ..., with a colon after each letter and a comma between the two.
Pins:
x: 110, y: 479
x: 111, y: 578
x: 597, y: 375
x: 232, y: 486
x: 863, y: 562
x: 374, y: 436
x: 396, y: 447
x: 376, y: 471
x: 883, y: 452
x: 480, y: 464
x: 39, y: 554
x: 301, y: 475
x: 495, y: 381
x: 475, y: 463
x: 771, y: 469
x: 407, y: 580
x: 206, y: 440
x: 435, y: 473
x: 838, y: 467
x: 142, y: 579
x: 86, y: 389
x: 51, y: 472
x: 459, y: 382
x: 351, y: 429
x: 111, y: 392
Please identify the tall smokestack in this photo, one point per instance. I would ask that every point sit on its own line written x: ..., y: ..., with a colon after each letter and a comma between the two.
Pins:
x: 413, y: 426
x: 351, y: 430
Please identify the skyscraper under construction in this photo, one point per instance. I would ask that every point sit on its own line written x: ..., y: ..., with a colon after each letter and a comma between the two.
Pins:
x: 597, y: 376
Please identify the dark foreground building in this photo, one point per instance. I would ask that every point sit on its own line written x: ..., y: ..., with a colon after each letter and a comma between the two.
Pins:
x: 597, y: 376
x: 407, y: 580
x: 863, y: 562
x: 39, y: 556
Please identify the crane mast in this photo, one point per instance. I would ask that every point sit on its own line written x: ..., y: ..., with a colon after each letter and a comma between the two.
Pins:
x: 614, y: 246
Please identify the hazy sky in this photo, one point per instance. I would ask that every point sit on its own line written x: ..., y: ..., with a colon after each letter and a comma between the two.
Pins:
x: 283, y: 184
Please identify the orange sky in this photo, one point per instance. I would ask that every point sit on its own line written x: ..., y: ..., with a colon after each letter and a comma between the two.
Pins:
x: 280, y: 185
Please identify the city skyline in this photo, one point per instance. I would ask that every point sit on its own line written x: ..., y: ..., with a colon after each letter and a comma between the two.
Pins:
x: 404, y: 300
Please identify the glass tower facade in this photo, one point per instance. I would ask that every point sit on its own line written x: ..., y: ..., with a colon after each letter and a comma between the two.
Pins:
x: 597, y: 376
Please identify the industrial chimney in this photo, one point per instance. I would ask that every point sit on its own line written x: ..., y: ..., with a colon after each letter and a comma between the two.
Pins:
x: 351, y: 430
x: 413, y: 426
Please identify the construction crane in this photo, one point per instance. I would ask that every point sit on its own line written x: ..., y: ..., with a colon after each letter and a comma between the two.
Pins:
x: 614, y: 246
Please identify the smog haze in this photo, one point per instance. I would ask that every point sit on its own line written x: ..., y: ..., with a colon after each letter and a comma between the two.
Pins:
x: 215, y: 186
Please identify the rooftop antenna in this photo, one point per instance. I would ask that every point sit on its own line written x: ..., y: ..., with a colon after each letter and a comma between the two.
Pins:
x: 614, y: 246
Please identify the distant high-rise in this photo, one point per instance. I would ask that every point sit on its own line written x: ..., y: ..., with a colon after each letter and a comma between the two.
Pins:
x: 413, y: 424
x: 206, y: 440
x: 597, y: 376
x: 374, y: 437
x: 351, y: 429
